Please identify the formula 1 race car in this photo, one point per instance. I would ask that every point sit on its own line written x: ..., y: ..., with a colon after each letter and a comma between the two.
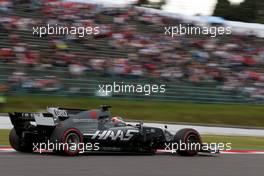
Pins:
x: 73, y: 131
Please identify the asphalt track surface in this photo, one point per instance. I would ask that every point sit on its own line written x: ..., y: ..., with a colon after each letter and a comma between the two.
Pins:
x: 19, y: 164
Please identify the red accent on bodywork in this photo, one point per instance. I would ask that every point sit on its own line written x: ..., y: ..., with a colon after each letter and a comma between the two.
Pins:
x: 93, y: 114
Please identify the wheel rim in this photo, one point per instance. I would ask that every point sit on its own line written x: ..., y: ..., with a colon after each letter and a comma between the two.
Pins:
x: 193, y: 139
x: 71, y: 140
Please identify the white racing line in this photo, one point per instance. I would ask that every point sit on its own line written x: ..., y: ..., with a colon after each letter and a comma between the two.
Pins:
x: 211, y: 130
x: 6, y: 124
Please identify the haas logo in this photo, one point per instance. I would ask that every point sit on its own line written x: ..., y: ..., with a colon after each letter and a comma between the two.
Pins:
x: 119, y: 134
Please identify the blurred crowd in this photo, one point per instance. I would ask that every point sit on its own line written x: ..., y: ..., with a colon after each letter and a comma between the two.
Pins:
x: 233, y: 63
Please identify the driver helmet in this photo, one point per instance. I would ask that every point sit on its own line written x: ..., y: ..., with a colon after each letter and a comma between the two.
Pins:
x: 116, y: 120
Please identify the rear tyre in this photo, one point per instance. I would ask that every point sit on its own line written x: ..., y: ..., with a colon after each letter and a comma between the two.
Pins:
x: 18, y: 144
x: 189, y: 142
x: 72, y: 140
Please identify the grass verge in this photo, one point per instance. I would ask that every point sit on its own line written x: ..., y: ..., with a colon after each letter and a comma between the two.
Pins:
x: 219, y: 114
x: 237, y: 142
x: 4, y: 139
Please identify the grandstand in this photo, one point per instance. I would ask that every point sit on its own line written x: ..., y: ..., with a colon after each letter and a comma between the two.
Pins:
x: 238, y: 79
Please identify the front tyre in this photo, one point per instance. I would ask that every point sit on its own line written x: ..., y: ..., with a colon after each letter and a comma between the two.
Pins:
x: 189, y: 142
x: 18, y: 144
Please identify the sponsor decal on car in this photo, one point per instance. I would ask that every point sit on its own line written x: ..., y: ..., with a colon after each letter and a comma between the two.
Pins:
x: 58, y: 112
x: 114, y: 135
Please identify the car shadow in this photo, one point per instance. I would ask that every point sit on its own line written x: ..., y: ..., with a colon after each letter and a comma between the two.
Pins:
x: 106, y: 153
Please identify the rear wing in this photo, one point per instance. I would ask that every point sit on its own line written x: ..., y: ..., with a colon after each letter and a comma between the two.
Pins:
x: 25, y: 120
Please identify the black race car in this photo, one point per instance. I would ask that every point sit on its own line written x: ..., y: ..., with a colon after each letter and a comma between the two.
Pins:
x: 73, y: 131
